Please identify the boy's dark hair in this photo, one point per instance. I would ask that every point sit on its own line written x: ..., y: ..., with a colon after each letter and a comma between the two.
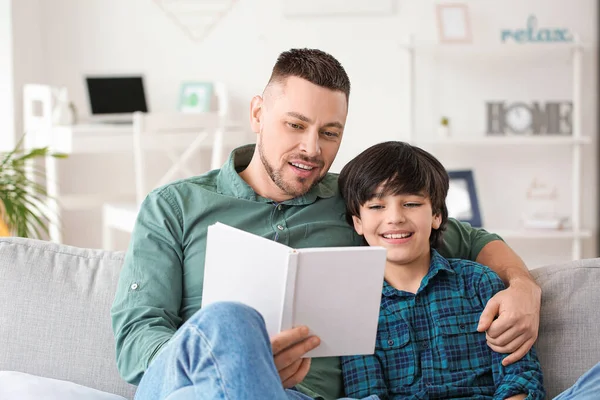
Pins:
x: 313, y: 65
x: 402, y: 169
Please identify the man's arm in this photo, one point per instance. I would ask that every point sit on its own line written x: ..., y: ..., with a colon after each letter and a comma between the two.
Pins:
x: 517, y: 307
x: 145, y: 312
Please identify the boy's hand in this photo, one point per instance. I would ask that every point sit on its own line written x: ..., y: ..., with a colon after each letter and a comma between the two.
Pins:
x: 516, y: 328
x: 517, y: 397
x: 288, y: 348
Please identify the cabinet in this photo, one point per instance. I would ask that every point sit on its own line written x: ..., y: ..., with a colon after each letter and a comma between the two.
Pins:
x: 528, y: 59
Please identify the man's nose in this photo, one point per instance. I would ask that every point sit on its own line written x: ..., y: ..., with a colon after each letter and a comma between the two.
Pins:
x: 310, y: 143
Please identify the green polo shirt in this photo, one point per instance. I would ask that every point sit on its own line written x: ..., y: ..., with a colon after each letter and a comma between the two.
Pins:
x: 160, y: 286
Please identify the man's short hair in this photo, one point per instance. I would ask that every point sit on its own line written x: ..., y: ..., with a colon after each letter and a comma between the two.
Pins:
x: 401, y: 169
x: 313, y: 65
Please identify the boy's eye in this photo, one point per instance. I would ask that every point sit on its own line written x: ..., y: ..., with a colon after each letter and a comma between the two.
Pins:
x: 375, y: 207
x: 412, y: 205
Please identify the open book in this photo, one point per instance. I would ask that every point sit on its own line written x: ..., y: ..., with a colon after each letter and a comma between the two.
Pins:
x: 335, y: 291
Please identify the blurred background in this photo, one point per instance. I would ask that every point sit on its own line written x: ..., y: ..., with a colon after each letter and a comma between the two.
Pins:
x: 505, y: 91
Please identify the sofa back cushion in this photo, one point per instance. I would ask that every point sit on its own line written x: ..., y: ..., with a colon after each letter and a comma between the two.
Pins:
x: 568, y: 342
x: 55, y: 319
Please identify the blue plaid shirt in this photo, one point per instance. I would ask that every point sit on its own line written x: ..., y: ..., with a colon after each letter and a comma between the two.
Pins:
x: 428, y: 345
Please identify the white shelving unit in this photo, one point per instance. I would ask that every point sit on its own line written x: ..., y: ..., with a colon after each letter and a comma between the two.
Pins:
x: 477, y: 140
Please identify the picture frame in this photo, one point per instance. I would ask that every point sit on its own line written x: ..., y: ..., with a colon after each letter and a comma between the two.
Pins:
x: 195, y: 97
x: 462, y: 201
x: 454, y: 23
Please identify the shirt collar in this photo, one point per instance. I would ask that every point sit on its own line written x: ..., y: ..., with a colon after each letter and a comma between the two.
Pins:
x: 436, y: 265
x: 230, y: 183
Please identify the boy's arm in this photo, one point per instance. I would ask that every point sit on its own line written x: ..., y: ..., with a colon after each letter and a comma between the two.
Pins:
x: 145, y: 311
x: 518, y: 307
x: 522, y: 379
x: 363, y: 377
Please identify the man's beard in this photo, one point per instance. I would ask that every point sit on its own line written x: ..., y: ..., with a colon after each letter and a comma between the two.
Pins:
x: 277, y: 178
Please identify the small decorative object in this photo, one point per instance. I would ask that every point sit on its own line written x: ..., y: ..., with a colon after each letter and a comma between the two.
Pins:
x: 462, y: 201
x: 541, y: 212
x: 553, y: 118
x: 453, y: 22
x: 532, y: 34
x: 61, y: 112
x: 444, y: 128
x: 196, y: 97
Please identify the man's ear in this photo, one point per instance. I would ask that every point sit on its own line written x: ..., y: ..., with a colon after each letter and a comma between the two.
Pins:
x: 437, y: 221
x: 256, y: 106
x: 357, y: 224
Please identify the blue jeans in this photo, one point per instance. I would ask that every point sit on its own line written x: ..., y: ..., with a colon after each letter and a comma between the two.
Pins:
x: 222, y: 352
x: 587, y: 386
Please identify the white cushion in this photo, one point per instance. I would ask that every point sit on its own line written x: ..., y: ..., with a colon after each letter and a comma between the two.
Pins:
x: 22, y: 386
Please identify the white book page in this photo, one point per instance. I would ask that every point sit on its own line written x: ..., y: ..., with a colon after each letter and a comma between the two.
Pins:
x: 246, y: 268
x: 338, y: 293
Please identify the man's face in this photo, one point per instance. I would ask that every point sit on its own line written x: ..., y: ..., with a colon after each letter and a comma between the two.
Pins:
x: 400, y: 223
x: 300, y: 127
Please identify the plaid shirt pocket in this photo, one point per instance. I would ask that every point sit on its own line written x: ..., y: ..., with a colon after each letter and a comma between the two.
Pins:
x: 463, y: 348
x: 398, y: 351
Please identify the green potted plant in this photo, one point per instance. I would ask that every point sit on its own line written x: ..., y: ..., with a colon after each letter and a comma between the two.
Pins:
x: 23, y: 210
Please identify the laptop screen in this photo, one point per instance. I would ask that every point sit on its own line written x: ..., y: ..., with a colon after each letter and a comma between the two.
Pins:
x: 116, y: 95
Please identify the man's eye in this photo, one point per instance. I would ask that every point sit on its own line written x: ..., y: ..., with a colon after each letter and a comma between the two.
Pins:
x: 331, y: 134
x: 294, y: 126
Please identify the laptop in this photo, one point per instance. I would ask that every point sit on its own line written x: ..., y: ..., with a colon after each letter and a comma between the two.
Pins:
x: 114, y: 99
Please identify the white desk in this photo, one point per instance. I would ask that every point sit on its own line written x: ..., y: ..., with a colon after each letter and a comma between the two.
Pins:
x: 118, y: 138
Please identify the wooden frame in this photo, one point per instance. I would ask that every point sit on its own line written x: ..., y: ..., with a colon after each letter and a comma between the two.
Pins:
x: 454, y: 24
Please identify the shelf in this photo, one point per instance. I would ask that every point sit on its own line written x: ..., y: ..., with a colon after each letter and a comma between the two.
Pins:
x: 534, y: 50
x: 540, y: 233
x: 506, y: 140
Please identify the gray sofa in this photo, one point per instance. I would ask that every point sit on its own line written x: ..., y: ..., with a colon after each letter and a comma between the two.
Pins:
x: 55, y: 323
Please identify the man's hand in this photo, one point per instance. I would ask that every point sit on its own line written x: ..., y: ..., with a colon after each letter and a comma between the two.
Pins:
x: 516, y: 328
x: 288, y: 348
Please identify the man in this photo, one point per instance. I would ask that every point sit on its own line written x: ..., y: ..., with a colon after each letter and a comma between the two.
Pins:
x: 280, y: 189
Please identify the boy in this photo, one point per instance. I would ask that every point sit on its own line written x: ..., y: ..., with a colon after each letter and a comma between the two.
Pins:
x: 427, y: 340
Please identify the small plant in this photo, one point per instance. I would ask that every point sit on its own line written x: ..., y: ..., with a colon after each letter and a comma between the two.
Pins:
x: 445, y: 121
x: 23, y: 210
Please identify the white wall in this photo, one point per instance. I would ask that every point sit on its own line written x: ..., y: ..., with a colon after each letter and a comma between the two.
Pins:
x: 115, y: 36
x: 7, y: 129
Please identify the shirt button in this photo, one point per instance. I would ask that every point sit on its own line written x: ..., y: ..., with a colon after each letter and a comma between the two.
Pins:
x: 279, y: 207
x: 425, y: 345
x: 280, y: 227
x: 134, y: 286
x: 390, y: 342
x: 462, y: 327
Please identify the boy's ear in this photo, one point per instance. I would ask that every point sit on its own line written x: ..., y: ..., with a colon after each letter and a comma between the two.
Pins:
x: 357, y: 224
x: 437, y: 221
x: 256, y: 106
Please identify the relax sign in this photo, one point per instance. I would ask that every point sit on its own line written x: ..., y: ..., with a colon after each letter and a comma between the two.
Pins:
x: 533, y: 34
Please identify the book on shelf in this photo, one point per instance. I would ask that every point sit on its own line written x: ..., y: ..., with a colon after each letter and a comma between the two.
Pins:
x: 335, y: 291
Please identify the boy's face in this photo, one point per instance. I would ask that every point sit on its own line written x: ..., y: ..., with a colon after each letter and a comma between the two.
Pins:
x: 400, y: 223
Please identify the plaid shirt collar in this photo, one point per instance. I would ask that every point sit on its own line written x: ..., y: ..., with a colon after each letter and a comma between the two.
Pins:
x: 437, y: 265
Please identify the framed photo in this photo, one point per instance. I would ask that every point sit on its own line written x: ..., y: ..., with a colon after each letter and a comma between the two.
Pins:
x: 462, y: 201
x: 454, y: 25
x: 195, y: 97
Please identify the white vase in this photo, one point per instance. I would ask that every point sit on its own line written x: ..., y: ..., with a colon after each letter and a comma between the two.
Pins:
x: 444, y: 131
